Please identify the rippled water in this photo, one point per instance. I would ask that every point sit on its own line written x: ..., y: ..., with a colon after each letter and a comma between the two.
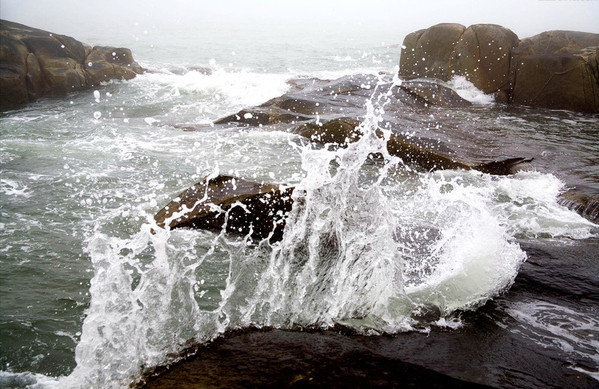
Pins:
x: 90, y: 294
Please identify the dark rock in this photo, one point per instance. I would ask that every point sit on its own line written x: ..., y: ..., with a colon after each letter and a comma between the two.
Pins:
x: 270, y: 358
x: 503, y: 167
x: 240, y: 206
x: 36, y: 63
x: 108, y: 63
x: 557, y: 42
x: 481, y: 53
x: 340, y: 131
x: 262, y: 116
x: 324, y: 100
x: 13, y: 70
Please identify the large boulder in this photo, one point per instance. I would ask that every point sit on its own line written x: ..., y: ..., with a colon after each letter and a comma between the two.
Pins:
x: 559, y: 70
x: 36, y: 63
x: 483, y: 55
x: 235, y: 204
x: 426, y: 53
x: 557, y: 42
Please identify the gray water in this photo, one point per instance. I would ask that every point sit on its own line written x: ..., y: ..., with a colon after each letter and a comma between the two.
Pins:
x: 90, y: 297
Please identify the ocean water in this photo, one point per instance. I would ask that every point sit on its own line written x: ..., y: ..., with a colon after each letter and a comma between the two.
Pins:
x: 91, y: 298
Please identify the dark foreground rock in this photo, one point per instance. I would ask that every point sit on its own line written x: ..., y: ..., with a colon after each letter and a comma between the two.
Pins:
x: 555, y: 69
x: 493, y: 348
x: 36, y: 63
x: 241, y: 206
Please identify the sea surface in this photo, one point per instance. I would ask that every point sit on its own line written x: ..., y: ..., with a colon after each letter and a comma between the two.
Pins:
x: 92, y: 295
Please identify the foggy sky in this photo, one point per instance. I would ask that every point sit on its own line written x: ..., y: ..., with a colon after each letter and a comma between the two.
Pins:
x: 524, y: 17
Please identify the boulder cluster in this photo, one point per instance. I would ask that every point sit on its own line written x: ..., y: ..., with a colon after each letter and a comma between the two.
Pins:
x: 36, y: 63
x: 555, y: 69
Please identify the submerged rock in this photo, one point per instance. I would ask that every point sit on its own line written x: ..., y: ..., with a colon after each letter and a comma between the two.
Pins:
x: 315, y: 100
x: 432, y: 92
x: 36, y: 63
x: 340, y: 131
x: 237, y: 205
x: 343, y: 131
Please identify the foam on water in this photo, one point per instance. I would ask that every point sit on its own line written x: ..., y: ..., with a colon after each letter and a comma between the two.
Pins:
x: 242, y: 88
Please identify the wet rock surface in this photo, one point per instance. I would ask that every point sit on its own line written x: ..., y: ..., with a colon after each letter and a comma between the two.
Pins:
x: 36, y: 63
x: 427, y: 52
x: 241, y: 206
x: 317, y: 110
x: 492, y: 348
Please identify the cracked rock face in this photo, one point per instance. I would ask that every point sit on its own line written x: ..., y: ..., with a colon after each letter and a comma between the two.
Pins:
x: 36, y: 63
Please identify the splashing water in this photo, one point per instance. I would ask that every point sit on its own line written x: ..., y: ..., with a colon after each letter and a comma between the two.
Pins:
x: 370, y: 245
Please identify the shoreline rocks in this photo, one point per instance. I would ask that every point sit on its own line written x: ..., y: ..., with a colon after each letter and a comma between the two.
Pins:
x: 554, y: 69
x: 36, y: 63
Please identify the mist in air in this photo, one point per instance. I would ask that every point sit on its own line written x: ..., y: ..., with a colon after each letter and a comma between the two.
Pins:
x: 152, y: 21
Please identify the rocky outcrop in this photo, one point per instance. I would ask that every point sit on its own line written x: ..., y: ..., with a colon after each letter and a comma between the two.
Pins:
x: 237, y: 205
x: 558, y: 69
x: 555, y: 69
x: 36, y: 63
x: 481, y: 53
